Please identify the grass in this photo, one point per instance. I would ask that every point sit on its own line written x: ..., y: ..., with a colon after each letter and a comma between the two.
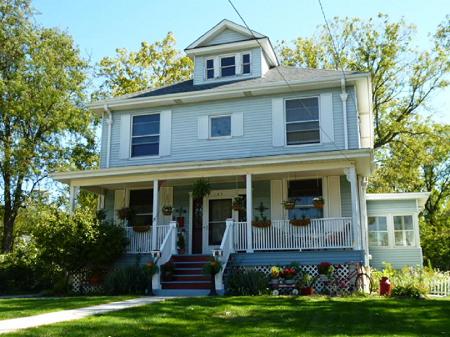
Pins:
x: 264, y: 316
x: 20, y: 307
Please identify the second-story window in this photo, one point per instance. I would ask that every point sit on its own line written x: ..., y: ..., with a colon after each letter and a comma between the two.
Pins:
x: 210, y: 68
x: 228, y: 66
x: 220, y: 126
x: 302, y: 121
x: 145, y: 135
x: 246, y: 64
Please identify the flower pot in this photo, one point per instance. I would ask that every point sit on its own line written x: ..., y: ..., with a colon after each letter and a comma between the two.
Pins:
x: 289, y: 281
x: 300, y: 222
x: 274, y: 282
x: 141, y: 229
x: 318, y: 204
x: 261, y: 223
x: 289, y: 204
x: 180, y: 221
x: 96, y: 278
x: 307, y: 291
x: 167, y: 211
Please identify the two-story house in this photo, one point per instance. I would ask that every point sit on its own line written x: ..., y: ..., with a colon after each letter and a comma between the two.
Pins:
x: 285, y: 151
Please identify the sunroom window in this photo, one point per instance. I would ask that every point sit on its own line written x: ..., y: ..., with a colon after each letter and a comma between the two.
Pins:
x: 141, y: 202
x: 303, y: 192
x: 228, y: 66
x: 145, y: 135
x: 378, y: 231
x: 302, y: 121
x: 403, y: 230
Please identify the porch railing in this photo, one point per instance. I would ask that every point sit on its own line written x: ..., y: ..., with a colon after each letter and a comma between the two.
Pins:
x: 281, y: 235
x: 224, y: 252
x: 141, y: 242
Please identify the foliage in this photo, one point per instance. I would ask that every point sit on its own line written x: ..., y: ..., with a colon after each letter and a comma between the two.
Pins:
x: 408, y: 290
x: 212, y: 267
x: 248, y: 282
x: 43, y: 122
x: 152, y: 66
x: 306, y: 281
x: 133, y: 280
x: 275, y: 272
x: 201, y: 188
x: 325, y: 268
x: 181, y: 243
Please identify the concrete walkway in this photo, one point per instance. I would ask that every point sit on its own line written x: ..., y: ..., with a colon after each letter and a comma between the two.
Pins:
x: 14, y: 324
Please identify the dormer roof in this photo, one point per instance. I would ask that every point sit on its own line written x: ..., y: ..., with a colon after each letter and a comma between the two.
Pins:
x: 229, y: 36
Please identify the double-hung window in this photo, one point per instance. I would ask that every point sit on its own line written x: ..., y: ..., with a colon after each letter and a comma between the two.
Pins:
x: 141, y: 202
x: 404, y: 230
x: 145, y: 135
x: 303, y: 193
x: 210, y: 68
x: 302, y: 121
x: 228, y: 66
x: 220, y: 126
x: 378, y: 231
x: 246, y: 63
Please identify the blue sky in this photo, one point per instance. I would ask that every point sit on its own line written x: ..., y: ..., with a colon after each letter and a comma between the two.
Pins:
x: 100, y: 26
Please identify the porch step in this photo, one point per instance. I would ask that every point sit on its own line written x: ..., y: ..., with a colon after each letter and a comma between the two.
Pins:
x: 188, y: 273
x: 191, y: 277
x: 190, y: 258
x: 185, y: 285
x: 189, y: 264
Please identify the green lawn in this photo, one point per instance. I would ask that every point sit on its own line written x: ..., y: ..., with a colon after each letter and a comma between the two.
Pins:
x: 265, y: 316
x: 20, y: 307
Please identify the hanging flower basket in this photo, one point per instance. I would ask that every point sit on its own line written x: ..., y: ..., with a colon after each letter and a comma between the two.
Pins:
x: 167, y: 210
x: 238, y: 204
x: 288, y: 204
x: 300, y: 222
x: 125, y: 213
x: 318, y: 202
x: 261, y: 223
x: 141, y: 229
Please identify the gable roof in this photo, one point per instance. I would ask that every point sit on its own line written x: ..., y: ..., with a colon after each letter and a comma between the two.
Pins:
x: 219, y: 28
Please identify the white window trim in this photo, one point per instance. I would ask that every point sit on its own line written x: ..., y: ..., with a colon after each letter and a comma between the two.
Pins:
x: 235, y: 65
x: 206, y: 68
x: 127, y: 197
x: 391, y: 232
x: 236, y: 61
x: 131, y: 135
x: 210, y: 118
x: 379, y: 231
x: 242, y: 63
x: 286, y: 123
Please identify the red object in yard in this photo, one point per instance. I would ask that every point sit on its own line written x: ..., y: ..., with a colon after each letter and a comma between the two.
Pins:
x: 385, y: 286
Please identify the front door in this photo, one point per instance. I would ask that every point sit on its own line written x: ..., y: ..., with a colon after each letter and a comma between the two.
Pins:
x: 197, y: 226
x: 218, y: 211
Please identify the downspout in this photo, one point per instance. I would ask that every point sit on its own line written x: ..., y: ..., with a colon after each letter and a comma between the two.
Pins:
x: 344, y: 96
x: 108, y: 141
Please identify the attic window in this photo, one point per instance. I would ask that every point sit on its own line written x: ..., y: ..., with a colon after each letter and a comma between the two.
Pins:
x: 210, y: 68
x: 228, y: 66
x: 246, y: 64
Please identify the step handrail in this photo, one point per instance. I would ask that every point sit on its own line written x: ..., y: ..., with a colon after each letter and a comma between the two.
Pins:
x: 164, y: 254
x: 224, y: 252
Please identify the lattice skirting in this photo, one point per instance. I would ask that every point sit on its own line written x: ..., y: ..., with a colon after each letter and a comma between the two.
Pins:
x: 342, y: 271
x: 81, y: 285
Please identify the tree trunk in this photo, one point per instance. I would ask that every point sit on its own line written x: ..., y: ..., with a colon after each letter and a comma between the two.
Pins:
x: 8, y: 227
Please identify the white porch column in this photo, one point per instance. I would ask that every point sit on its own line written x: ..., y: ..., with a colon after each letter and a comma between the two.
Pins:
x: 74, y: 191
x: 249, y: 205
x: 155, y: 213
x: 350, y: 172
x: 364, y: 226
x: 173, y: 238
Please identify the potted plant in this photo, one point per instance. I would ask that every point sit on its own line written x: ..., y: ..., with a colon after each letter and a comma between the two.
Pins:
x: 275, y: 273
x: 318, y: 202
x: 180, y: 218
x: 262, y: 222
x: 168, y: 270
x: 167, y: 210
x: 238, y: 203
x: 325, y: 269
x: 211, y: 268
x: 289, y: 274
x: 300, y: 222
x: 141, y: 228
x: 125, y: 213
x: 181, y: 243
x: 305, y: 284
x: 151, y: 268
x: 288, y: 204
x: 200, y: 189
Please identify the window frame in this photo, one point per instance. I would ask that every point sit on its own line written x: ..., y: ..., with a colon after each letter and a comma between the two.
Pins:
x: 378, y: 231
x: 286, y: 122
x: 391, y: 229
x: 206, y: 68
x: 249, y: 63
x: 285, y: 194
x: 128, y: 197
x: 404, y: 231
x: 149, y: 135
x: 210, y: 118
x: 220, y: 65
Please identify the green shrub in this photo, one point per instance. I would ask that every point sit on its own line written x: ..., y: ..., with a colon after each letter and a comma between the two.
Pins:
x: 409, y: 291
x: 133, y: 280
x: 247, y: 282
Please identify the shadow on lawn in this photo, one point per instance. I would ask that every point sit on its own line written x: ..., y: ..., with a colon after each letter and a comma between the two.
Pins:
x: 266, y: 316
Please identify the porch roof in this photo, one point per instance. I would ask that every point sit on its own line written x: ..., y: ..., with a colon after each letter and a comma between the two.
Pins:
x: 361, y: 159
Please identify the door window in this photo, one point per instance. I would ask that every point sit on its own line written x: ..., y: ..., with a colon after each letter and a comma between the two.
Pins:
x: 219, y: 211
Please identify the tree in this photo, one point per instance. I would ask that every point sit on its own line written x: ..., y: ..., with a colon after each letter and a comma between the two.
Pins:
x: 43, y: 122
x: 403, y: 79
x: 152, y: 66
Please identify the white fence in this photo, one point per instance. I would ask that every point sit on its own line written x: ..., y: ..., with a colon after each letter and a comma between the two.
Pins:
x: 281, y: 235
x: 440, y: 285
x: 141, y: 242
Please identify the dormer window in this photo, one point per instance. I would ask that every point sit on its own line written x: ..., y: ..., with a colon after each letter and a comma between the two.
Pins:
x: 228, y: 66
x: 246, y: 64
x: 210, y: 68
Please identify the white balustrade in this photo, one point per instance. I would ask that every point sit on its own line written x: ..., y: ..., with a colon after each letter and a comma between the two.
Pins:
x: 226, y: 249
x: 322, y: 233
x: 141, y: 242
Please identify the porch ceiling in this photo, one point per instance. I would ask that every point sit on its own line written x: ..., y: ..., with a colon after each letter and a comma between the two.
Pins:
x: 304, y: 165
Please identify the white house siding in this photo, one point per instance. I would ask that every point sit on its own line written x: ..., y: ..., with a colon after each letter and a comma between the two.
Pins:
x: 346, y: 198
x: 226, y: 36
x: 256, y: 141
x: 397, y: 256
x: 255, y: 66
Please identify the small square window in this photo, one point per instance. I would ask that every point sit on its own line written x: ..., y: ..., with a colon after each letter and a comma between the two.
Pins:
x: 220, y: 126
x: 210, y: 68
x: 246, y: 64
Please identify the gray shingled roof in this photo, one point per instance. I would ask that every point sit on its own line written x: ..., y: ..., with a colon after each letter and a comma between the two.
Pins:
x: 272, y: 76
